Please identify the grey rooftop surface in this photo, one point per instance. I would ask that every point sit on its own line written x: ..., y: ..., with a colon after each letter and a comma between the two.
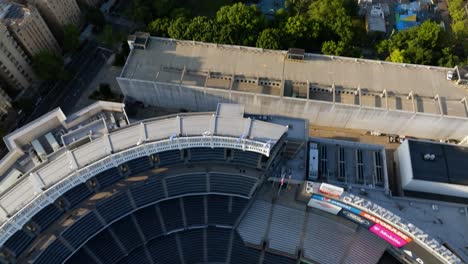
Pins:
x: 449, y: 165
x: 264, y: 71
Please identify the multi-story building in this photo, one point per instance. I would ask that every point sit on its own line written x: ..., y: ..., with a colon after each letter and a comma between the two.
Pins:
x: 28, y: 28
x: 15, y: 66
x: 58, y: 13
x: 5, y: 102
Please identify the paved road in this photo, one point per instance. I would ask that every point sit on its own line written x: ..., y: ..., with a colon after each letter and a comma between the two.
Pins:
x: 84, y: 67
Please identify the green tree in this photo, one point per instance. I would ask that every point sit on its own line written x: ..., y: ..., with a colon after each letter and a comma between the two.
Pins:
x: 243, y: 16
x: 49, y: 66
x: 331, y: 47
x: 109, y: 36
x: 71, y: 38
x: 397, y: 56
x: 245, y: 22
x: 448, y: 59
x: 297, y: 7
x: 178, y: 28
x: 159, y: 27
x: 334, y: 19
x: 201, y: 29
x: 95, y: 17
x: 297, y: 26
x: 420, y: 45
x: 270, y: 38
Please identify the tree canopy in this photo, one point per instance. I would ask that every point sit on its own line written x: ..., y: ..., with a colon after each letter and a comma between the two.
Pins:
x: 421, y: 45
x: 271, y: 38
x: 332, y: 27
x: 49, y: 66
x: 71, y: 38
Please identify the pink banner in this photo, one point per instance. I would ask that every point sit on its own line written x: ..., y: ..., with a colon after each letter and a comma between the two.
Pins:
x: 387, y: 235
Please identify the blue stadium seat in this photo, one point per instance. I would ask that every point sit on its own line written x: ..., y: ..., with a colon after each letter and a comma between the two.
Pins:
x: 137, y: 256
x: 192, y: 245
x: 108, y: 177
x: 77, y: 194
x: 186, y: 184
x: 270, y: 258
x: 172, y: 216
x: 139, y: 165
x: 80, y: 257
x: 217, y: 240
x: 147, y: 192
x: 207, y: 154
x: 245, y: 158
x: 47, y: 216
x: 127, y: 233
x: 164, y: 250
x: 149, y: 222
x: 233, y: 184
x: 56, y: 252
x: 194, y: 208
x: 18, y: 242
x: 84, y: 227
x: 243, y: 254
x: 105, y: 248
x: 219, y: 212
x: 115, y: 206
x: 169, y: 157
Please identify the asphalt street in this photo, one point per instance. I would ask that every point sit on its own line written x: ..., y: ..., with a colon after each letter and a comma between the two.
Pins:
x: 83, y: 67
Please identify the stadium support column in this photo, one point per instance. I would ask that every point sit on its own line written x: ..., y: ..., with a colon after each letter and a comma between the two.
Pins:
x: 230, y: 245
x: 308, y: 90
x: 91, y: 254
x: 179, y: 248
x: 138, y: 228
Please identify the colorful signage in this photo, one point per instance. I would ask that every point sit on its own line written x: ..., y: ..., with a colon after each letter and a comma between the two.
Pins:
x: 387, y: 235
x: 337, y: 203
x: 331, y: 190
x: 387, y: 226
x: 356, y: 218
x: 324, y: 206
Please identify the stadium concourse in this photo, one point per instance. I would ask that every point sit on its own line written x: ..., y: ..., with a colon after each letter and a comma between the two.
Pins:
x: 187, y: 188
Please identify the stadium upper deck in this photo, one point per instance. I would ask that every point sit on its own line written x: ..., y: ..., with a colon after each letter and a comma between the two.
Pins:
x: 24, y: 189
x: 394, y: 86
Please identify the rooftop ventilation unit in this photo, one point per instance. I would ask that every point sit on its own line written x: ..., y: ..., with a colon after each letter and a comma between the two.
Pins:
x: 296, y: 54
x: 139, y: 40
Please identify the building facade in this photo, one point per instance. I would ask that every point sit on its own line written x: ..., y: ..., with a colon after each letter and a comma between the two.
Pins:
x: 29, y: 29
x: 15, y: 66
x: 58, y: 13
x: 5, y: 102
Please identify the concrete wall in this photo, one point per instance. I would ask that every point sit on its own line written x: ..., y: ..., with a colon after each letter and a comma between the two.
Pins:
x: 321, y: 113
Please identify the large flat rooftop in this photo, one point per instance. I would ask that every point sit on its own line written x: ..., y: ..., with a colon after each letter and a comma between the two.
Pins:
x: 447, y: 165
x: 264, y: 71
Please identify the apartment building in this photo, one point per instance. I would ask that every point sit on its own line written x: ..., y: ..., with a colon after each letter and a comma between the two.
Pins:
x: 28, y: 28
x: 5, y: 102
x: 15, y: 66
x: 58, y: 13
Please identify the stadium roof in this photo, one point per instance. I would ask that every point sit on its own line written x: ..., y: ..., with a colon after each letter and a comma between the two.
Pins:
x: 433, y: 168
x: 449, y: 164
x: 191, y: 63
